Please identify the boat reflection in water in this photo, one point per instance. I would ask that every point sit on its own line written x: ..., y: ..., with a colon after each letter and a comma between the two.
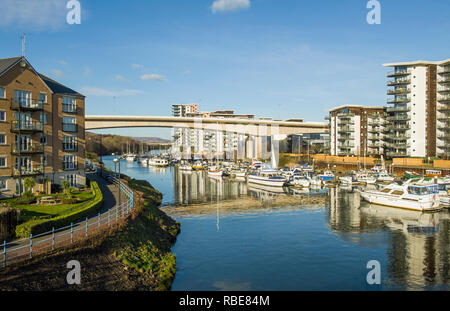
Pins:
x: 417, y: 253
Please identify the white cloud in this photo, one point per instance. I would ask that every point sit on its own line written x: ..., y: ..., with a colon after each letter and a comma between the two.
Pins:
x: 94, y: 91
x: 87, y: 71
x: 57, y: 73
x: 120, y: 78
x: 33, y: 13
x: 61, y: 62
x: 137, y: 66
x: 153, y: 77
x: 229, y: 5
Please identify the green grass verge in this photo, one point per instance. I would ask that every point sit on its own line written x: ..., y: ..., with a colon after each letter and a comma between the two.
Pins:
x: 44, y: 218
x: 146, y: 242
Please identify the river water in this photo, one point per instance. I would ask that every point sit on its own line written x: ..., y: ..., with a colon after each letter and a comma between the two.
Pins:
x: 235, y: 237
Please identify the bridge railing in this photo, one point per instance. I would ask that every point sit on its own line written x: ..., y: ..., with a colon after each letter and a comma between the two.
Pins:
x: 23, y: 249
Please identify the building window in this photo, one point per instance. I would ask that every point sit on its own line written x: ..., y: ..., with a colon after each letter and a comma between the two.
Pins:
x: 69, y: 124
x: 2, y: 139
x: 72, y: 179
x: 69, y: 104
x: 3, y: 161
x: 2, y: 116
x: 2, y: 92
x: 3, y: 184
x: 43, y: 118
x: 44, y: 160
x: 70, y: 143
x: 44, y: 139
x: 43, y: 98
x: 70, y: 162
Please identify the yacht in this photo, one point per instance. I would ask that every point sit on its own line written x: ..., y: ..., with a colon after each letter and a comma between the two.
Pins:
x: 267, y: 177
x: 326, y: 176
x: 215, y: 171
x: 144, y: 160
x: 385, y: 177
x: 315, y: 181
x: 301, y: 181
x: 239, y: 173
x: 410, y: 195
x: 158, y: 162
x: 131, y: 157
x: 363, y: 177
x: 348, y: 180
x: 185, y: 167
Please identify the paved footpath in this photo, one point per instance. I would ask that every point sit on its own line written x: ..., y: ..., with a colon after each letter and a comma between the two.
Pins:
x: 42, y: 244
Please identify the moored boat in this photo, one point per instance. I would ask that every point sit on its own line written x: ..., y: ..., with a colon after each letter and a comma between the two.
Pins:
x: 215, y: 171
x: 267, y: 177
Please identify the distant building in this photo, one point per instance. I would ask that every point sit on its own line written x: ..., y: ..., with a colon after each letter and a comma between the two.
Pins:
x: 41, y: 129
x: 357, y: 130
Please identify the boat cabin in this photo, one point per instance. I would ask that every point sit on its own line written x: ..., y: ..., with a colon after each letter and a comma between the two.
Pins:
x: 423, y: 190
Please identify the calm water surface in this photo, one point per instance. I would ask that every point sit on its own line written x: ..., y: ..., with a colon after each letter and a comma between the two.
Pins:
x: 238, y: 238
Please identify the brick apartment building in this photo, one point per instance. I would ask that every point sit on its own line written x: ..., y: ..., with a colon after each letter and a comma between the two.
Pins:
x: 41, y: 129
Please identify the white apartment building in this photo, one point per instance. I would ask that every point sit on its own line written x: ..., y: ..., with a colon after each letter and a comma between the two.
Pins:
x: 418, y: 120
x: 357, y: 130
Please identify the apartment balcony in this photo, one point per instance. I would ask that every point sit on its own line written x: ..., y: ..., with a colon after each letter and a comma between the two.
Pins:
x: 374, y: 137
x: 396, y: 154
x: 443, y: 89
x: 327, y: 118
x: 69, y: 166
x: 444, y: 137
x: 26, y: 126
x: 345, y: 115
x: 27, y: 105
x: 346, y: 129
x: 344, y: 153
x: 398, y: 109
x: 444, y: 99
x: 444, y: 70
x: 28, y: 171
x: 444, y: 126
x: 346, y: 145
x: 443, y: 107
x: 345, y: 122
x: 396, y: 137
x: 399, y: 91
x: 443, y: 116
x: 398, y: 100
x: 33, y: 149
x: 444, y: 80
x: 70, y: 147
x: 345, y: 138
x: 398, y: 73
x: 397, y: 127
x: 69, y: 127
x: 399, y: 118
x: 399, y: 82
x: 69, y: 108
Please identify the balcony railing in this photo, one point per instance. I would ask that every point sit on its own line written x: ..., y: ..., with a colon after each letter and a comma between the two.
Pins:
x: 27, y: 171
x: 398, y: 100
x: 27, y: 104
x: 346, y: 129
x: 443, y: 99
x: 69, y: 127
x: 27, y: 149
x: 396, y: 137
x: 70, y: 166
x: 398, y: 109
x: 444, y: 80
x: 27, y: 126
x: 399, y: 82
x: 399, y: 118
x: 69, y: 108
x: 444, y: 70
x: 399, y: 91
x: 398, y: 73
x: 347, y: 145
x: 70, y: 147
x: 398, y: 127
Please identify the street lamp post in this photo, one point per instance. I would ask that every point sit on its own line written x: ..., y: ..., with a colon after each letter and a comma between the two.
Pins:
x: 116, y: 160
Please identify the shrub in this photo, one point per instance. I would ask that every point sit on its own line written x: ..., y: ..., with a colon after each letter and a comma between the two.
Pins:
x: 43, y: 225
x: 26, y: 198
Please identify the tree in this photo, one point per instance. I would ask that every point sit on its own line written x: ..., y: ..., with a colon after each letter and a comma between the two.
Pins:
x: 65, y: 185
x: 29, y: 183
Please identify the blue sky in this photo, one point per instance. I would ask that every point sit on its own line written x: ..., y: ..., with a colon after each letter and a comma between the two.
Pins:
x: 276, y: 58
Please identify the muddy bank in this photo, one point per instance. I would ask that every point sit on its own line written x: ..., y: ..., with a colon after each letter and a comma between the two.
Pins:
x: 133, y: 255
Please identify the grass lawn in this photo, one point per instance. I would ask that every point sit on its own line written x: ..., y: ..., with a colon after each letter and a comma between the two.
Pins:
x: 32, y: 211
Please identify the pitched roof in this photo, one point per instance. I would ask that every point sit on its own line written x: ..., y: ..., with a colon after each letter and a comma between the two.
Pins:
x: 6, y: 63
x: 58, y: 88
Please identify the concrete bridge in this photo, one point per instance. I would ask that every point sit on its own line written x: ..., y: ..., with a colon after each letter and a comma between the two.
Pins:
x: 253, y: 127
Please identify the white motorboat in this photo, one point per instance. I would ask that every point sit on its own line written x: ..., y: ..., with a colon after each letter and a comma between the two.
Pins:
x: 301, y: 181
x: 326, y: 176
x: 315, y: 181
x: 267, y: 177
x: 385, y: 177
x: 131, y: 157
x: 239, y: 173
x: 413, y: 196
x: 143, y: 161
x: 215, y: 171
x: 363, y: 177
x: 348, y: 180
x: 185, y: 167
x: 158, y: 162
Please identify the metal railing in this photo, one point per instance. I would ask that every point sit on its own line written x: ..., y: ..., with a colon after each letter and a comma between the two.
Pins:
x: 23, y: 249
x: 27, y: 126
x: 30, y: 104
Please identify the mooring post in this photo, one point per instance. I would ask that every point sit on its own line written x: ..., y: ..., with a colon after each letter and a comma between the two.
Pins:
x: 4, y: 253
x: 53, y: 238
x: 87, y: 224
x: 31, y: 245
